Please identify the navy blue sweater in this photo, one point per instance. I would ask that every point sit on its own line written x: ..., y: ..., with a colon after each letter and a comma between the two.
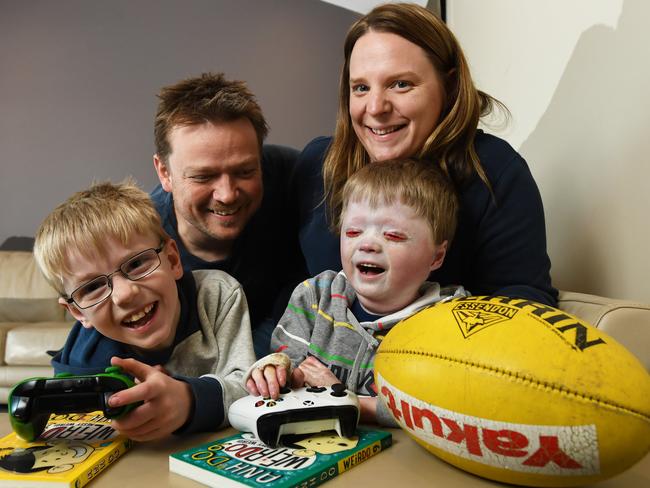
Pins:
x: 500, y: 242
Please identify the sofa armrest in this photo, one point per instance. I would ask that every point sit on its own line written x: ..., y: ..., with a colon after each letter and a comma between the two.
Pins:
x: 627, y: 322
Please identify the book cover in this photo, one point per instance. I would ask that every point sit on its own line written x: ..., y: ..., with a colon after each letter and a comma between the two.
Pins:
x: 308, y: 460
x: 72, y: 450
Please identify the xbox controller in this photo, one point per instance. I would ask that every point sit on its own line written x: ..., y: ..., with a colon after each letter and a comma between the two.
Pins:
x: 298, y: 411
x: 33, y: 400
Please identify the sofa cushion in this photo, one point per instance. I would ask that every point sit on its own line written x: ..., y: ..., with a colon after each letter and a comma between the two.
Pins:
x: 11, y: 375
x: 627, y: 322
x: 25, y: 295
x: 28, y: 345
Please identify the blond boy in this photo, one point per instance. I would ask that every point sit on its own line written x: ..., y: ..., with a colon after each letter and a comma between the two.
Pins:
x: 185, y: 337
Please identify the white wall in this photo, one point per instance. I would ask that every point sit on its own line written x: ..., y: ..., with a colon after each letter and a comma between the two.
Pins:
x: 576, y: 77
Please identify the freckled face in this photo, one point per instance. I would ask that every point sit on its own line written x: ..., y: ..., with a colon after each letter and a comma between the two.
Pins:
x: 396, y: 95
x: 387, y: 253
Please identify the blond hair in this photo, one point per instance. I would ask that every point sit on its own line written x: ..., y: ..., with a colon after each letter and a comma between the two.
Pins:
x: 206, y: 98
x: 417, y: 184
x: 451, y: 144
x: 86, y: 220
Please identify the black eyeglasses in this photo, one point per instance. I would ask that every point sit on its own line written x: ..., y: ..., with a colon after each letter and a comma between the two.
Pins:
x: 99, y: 289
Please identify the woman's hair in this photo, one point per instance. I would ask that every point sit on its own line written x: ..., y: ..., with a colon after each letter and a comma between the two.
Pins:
x: 450, y: 145
x: 87, y: 220
x: 414, y: 183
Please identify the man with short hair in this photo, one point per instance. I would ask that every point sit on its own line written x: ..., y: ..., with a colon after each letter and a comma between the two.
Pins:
x: 223, y: 194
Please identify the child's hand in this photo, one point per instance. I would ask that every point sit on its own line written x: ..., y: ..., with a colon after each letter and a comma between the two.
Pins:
x: 167, y: 402
x: 314, y: 373
x: 368, y: 409
x: 267, y: 382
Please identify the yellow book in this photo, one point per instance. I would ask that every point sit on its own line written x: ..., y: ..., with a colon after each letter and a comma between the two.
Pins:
x: 72, y: 450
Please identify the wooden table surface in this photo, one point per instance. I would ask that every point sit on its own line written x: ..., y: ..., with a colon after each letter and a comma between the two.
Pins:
x: 403, y: 465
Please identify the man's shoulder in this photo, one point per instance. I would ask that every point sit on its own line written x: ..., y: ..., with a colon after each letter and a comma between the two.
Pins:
x: 164, y: 203
x: 278, y: 160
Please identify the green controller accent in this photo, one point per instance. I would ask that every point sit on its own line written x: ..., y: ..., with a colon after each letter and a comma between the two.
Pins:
x: 32, y: 401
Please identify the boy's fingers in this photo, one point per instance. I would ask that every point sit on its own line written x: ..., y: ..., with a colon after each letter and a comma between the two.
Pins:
x: 252, y: 387
x: 134, y: 394
x: 270, y: 373
x: 133, y: 367
x: 260, y: 383
x: 282, y: 376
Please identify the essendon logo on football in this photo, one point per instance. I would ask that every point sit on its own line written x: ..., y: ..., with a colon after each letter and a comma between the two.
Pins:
x: 477, y: 313
x: 473, y: 317
x: 543, y: 449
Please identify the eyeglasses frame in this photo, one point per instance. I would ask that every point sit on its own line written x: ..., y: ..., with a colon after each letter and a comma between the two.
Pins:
x: 109, y: 277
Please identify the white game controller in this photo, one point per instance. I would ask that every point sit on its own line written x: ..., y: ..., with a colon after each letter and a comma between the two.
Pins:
x: 299, y: 411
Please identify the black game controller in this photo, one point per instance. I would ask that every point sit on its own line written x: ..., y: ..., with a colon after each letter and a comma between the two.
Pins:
x: 33, y: 400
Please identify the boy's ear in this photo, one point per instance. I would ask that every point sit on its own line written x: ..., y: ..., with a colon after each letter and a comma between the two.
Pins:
x: 439, y: 256
x: 164, y: 175
x: 174, y: 258
x: 75, y: 312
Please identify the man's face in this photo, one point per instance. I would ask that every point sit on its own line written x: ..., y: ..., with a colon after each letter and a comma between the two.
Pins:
x: 215, y: 176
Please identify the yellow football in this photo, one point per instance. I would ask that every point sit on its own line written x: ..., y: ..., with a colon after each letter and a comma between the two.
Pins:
x: 516, y: 391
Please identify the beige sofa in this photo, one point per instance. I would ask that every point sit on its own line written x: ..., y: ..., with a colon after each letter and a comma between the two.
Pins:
x: 32, y: 322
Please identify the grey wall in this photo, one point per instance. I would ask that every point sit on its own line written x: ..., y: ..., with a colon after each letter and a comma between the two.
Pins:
x: 78, y: 80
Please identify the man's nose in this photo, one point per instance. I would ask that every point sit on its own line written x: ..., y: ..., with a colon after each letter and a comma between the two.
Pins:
x: 225, y: 190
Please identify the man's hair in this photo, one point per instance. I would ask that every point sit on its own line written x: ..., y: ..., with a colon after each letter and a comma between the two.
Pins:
x: 417, y: 184
x: 451, y: 143
x: 206, y: 98
x: 86, y: 220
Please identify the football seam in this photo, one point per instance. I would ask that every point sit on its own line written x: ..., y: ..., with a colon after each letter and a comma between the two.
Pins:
x: 561, y: 389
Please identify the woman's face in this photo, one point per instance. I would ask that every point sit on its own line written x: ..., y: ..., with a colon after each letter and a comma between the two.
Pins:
x: 395, y: 95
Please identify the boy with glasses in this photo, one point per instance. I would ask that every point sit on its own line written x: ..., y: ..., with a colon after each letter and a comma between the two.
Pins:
x: 185, y: 337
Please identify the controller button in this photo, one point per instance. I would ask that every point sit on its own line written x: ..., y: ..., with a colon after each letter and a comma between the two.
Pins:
x: 19, y: 408
x: 308, y: 403
x: 284, y: 390
x: 338, y: 390
x: 316, y: 389
x: 259, y: 403
x: 280, y: 399
x: 113, y: 369
x: 271, y: 404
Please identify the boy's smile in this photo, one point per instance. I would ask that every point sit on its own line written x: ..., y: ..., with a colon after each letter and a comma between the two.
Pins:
x: 143, y: 313
x: 140, y: 318
x: 387, y: 253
